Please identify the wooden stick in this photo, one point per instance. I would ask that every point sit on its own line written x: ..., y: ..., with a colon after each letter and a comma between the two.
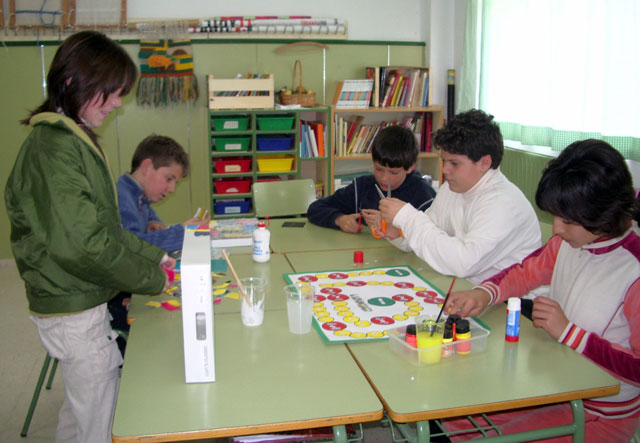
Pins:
x: 233, y: 271
x: 443, y: 303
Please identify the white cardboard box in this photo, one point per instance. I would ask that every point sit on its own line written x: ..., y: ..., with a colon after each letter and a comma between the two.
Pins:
x: 197, y: 308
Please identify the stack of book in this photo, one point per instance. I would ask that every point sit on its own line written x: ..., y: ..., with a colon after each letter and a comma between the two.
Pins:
x: 230, y: 232
x: 399, y: 86
x: 355, y: 137
x: 353, y: 94
x: 312, y: 139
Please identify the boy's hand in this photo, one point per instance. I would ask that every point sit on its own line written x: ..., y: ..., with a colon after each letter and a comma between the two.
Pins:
x: 389, y: 207
x: 155, y: 226
x: 348, y: 223
x: 372, y: 217
x: 466, y: 303
x: 196, y: 221
x: 548, y: 315
x: 169, y: 263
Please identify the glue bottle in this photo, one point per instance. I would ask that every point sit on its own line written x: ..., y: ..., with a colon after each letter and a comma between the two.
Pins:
x: 512, y: 332
x: 261, y: 236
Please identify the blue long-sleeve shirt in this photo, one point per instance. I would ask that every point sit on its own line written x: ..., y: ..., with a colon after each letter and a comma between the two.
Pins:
x: 136, y: 213
x: 361, y: 194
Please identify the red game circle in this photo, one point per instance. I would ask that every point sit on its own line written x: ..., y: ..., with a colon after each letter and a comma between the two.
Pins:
x: 338, y: 275
x: 331, y: 290
x: 338, y: 297
x: 402, y: 297
x: 334, y: 326
x: 308, y: 278
x: 404, y: 285
x: 356, y: 283
x: 319, y: 298
x: 382, y: 320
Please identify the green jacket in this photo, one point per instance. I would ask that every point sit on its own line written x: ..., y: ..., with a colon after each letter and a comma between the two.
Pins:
x: 66, y: 233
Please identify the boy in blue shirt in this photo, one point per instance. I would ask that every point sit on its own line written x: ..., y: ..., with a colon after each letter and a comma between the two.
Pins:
x: 394, y: 153
x: 158, y: 163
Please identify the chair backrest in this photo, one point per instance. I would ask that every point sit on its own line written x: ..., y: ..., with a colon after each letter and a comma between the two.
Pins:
x: 283, y: 198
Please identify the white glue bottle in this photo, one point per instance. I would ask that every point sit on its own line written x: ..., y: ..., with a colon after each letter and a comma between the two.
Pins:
x: 512, y: 331
x: 261, y: 236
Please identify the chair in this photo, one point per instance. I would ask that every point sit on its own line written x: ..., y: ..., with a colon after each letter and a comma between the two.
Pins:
x: 283, y: 198
x: 43, y: 374
x: 36, y: 393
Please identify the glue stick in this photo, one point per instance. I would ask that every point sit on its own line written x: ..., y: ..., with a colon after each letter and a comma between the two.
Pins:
x: 512, y: 331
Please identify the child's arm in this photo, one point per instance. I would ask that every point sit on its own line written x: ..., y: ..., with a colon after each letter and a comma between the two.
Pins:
x: 326, y: 211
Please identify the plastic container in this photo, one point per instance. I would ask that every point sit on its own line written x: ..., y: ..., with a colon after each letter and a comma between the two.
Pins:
x: 236, y: 206
x: 275, y: 164
x: 232, y: 186
x: 231, y: 143
x: 415, y: 356
x: 274, y: 143
x: 230, y: 123
x: 260, y: 246
x: 276, y: 123
x: 231, y: 165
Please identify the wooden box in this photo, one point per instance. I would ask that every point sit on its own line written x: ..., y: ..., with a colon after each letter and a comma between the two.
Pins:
x: 240, y: 93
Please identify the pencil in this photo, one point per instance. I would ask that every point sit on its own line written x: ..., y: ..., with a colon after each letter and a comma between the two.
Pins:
x: 233, y: 271
x: 444, y: 303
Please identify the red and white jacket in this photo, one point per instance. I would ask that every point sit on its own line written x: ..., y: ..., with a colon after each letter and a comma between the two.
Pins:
x: 598, y: 288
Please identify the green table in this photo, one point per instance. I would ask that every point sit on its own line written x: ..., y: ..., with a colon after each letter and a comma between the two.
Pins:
x: 267, y: 380
x: 245, y: 267
x: 534, y: 371
x: 315, y: 238
x: 343, y: 260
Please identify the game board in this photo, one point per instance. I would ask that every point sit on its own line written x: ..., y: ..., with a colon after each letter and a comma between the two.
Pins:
x: 363, y: 304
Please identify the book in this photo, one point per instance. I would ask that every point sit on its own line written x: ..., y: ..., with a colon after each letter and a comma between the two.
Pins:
x: 353, y: 93
x: 230, y: 232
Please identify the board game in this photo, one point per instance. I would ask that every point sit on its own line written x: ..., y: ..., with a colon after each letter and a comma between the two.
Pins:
x: 363, y: 304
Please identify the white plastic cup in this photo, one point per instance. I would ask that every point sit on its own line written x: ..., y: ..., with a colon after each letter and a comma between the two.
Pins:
x: 252, y: 309
x: 300, y: 298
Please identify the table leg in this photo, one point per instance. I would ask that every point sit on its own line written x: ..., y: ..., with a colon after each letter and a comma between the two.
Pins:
x: 340, y: 434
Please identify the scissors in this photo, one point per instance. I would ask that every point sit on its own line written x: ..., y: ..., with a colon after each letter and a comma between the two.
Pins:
x: 383, y: 226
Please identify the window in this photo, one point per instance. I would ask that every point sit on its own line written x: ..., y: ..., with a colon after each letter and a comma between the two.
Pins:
x: 555, y: 71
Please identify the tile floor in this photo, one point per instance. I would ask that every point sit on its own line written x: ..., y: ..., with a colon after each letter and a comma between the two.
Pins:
x: 21, y: 362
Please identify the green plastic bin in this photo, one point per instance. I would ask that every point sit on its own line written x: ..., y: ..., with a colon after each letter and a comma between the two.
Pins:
x: 276, y: 123
x: 230, y: 123
x: 232, y: 144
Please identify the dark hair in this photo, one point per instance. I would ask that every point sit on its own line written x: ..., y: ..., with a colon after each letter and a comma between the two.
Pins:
x: 86, y: 64
x: 163, y: 151
x: 589, y: 184
x: 473, y: 134
x: 395, y: 147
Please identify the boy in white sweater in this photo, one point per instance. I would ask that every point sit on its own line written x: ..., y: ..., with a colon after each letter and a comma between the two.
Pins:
x: 479, y: 222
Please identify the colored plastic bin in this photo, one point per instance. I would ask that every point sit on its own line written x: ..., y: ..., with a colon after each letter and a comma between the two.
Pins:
x: 236, y: 206
x: 275, y: 123
x: 421, y: 357
x: 231, y: 143
x: 275, y: 164
x: 232, y: 186
x: 231, y: 165
x: 274, y: 143
x: 230, y: 123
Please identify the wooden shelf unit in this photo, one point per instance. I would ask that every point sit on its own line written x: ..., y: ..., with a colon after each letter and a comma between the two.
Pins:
x: 428, y: 162
x: 316, y: 168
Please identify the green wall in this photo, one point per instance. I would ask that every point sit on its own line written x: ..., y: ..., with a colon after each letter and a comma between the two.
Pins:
x: 21, y: 91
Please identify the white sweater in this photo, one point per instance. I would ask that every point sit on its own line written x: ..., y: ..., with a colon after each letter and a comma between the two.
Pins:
x: 474, y: 234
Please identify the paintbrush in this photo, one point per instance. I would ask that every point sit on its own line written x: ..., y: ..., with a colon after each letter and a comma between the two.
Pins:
x: 443, y: 303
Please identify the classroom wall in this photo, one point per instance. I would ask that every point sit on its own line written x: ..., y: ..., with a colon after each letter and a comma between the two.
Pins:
x: 413, y: 21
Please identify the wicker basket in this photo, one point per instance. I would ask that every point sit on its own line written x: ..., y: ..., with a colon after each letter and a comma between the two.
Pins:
x: 296, y: 97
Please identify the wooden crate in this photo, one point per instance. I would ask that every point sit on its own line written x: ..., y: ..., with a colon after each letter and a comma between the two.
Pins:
x: 241, y: 89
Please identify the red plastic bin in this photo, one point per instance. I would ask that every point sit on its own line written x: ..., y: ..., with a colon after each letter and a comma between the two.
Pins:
x: 232, y: 186
x: 232, y: 165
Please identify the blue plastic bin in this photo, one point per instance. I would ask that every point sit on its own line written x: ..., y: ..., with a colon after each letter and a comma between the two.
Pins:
x: 275, y: 143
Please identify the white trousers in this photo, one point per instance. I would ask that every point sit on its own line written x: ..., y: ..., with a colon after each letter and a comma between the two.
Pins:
x: 89, y: 359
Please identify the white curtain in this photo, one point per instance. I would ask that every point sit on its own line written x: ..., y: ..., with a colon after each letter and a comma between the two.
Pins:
x: 555, y: 71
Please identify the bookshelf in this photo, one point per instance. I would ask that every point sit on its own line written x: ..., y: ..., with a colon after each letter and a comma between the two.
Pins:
x: 428, y: 158
x: 251, y: 145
